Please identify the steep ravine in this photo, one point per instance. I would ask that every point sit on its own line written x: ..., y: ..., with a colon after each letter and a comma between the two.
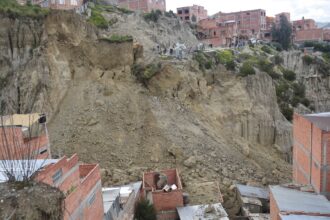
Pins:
x: 229, y: 130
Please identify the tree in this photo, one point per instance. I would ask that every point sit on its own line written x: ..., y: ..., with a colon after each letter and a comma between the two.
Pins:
x: 282, y: 32
x: 193, y: 18
x: 144, y: 210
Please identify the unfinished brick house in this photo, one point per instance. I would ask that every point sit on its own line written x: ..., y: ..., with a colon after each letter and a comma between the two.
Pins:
x: 164, y: 190
x: 143, y: 5
x: 278, y: 17
x: 225, y: 29
x: 311, y: 151
x: 24, y: 136
x: 193, y: 13
x: 290, y: 204
x: 56, y: 4
x: 80, y: 183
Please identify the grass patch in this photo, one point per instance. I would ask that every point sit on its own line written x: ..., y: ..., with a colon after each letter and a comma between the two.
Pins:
x: 15, y: 10
x: 118, y: 38
x: 125, y: 11
x: 266, y: 49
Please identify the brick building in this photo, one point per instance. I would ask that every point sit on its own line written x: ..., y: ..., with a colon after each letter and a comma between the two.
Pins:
x: 225, y: 29
x: 193, y: 13
x: 24, y: 137
x: 311, y: 151
x: 165, y: 197
x: 56, y: 4
x: 143, y: 5
x: 291, y: 204
x: 80, y: 183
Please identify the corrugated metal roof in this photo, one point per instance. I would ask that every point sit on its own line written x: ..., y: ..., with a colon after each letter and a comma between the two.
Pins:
x: 303, y: 217
x: 18, y: 165
x: 198, y: 212
x: 321, y: 120
x: 290, y: 200
x: 251, y: 191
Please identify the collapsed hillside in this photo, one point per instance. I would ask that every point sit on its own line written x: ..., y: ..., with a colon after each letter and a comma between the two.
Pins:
x: 212, y: 124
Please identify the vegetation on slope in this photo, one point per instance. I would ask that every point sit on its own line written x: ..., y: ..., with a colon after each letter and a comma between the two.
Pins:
x: 118, y: 38
x: 14, y: 10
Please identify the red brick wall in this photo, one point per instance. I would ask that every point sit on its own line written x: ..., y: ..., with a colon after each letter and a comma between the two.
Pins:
x: 68, y: 4
x: 21, y: 148
x: 143, y: 5
x: 308, y: 35
x: 78, y: 182
x: 274, y: 210
x: 199, y: 11
x: 305, y: 133
x: 164, y: 201
x: 172, y: 178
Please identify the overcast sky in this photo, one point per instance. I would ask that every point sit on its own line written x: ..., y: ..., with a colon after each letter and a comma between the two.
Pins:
x: 319, y: 10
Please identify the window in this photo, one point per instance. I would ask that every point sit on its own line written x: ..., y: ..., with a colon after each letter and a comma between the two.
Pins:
x: 186, y: 11
x: 215, y: 33
x: 57, y: 176
x: 91, y: 199
x: 248, y: 13
x: 179, y: 12
x: 187, y: 18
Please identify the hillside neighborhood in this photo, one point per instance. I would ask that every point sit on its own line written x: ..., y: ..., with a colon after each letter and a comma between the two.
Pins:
x: 35, y: 173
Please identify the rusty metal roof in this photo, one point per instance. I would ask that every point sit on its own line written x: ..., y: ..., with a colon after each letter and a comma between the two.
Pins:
x: 293, y: 201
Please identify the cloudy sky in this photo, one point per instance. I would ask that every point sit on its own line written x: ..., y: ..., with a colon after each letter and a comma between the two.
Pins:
x: 319, y: 10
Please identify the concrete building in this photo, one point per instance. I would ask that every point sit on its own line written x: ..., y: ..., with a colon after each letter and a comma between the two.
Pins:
x: 24, y: 136
x: 119, y: 202
x: 164, y: 190
x: 311, y: 151
x: 193, y: 13
x: 226, y: 29
x: 80, y: 183
x: 291, y: 204
x: 143, y: 5
x: 306, y: 30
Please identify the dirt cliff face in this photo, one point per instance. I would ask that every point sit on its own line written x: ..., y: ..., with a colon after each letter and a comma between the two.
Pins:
x: 317, y: 84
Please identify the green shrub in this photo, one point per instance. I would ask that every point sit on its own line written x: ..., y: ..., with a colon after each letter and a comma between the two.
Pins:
x: 226, y: 57
x: 265, y: 66
x: 144, y: 210
x: 318, y: 46
x: 170, y: 14
x: 308, y: 60
x: 97, y: 18
x: 323, y: 68
x: 289, y: 75
x: 305, y: 102
x: 152, y: 16
x: 244, y: 56
x: 15, y: 10
x: 144, y: 73
x: 299, y: 90
x: 247, y: 69
x: 208, y: 64
x: 118, y: 38
x: 277, y: 46
x: 266, y: 49
x: 326, y: 56
x: 282, y: 90
x: 203, y: 61
x: 287, y: 111
x: 278, y: 60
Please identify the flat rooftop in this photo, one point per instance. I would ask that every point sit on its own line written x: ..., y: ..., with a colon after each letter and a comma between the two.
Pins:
x: 294, y: 201
x: 252, y: 191
x: 321, y: 120
x: 303, y: 217
x: 203, y: 212
x: 21, y: 167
